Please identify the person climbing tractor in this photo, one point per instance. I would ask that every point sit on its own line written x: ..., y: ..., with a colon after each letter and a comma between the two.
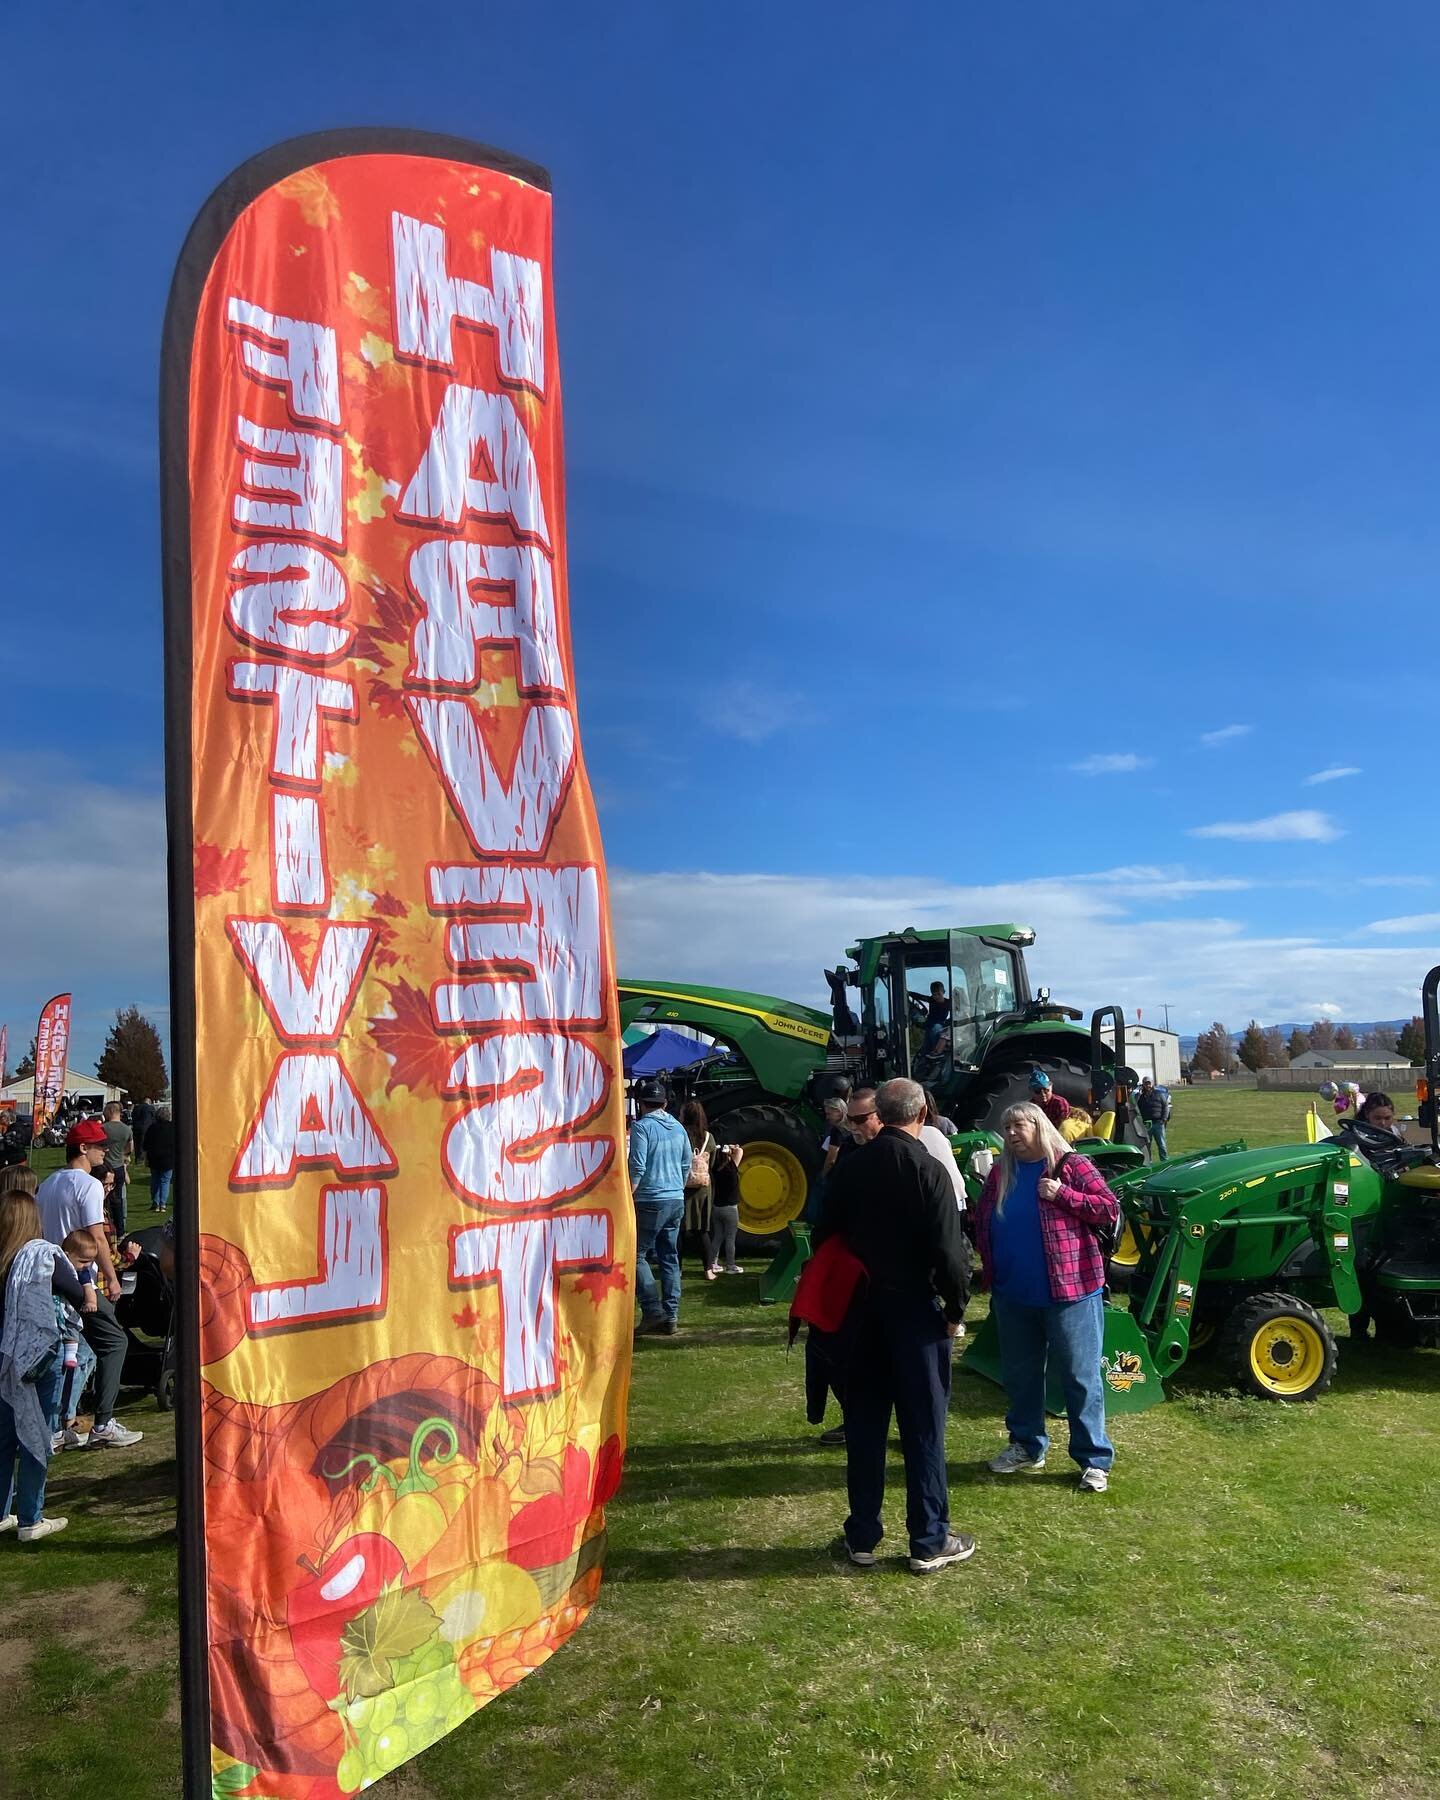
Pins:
x: 1153, y: 1105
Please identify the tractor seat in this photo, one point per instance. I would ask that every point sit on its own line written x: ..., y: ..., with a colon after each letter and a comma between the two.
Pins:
x: 1427, y: 1175
x: 1104, y: 1126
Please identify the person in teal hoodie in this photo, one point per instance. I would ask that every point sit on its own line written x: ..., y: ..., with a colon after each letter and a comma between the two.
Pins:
x: 659, y: 1161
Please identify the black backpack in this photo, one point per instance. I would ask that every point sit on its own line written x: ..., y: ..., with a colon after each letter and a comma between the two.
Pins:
x: 1107, y: 1236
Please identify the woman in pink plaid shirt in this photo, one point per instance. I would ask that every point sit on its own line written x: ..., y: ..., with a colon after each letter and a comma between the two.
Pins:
x: 1039, y: 1258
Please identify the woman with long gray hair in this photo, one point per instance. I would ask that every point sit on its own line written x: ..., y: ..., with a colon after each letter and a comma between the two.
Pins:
x: 1036, y: 1229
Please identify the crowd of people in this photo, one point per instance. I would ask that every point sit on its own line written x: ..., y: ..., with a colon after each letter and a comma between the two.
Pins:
x: 885, y: 1291
x: 63, y: 1245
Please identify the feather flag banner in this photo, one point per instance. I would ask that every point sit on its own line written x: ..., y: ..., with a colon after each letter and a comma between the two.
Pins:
x: 405, y: 1240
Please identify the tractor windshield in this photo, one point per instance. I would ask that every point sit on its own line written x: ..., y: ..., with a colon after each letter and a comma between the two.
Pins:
x: 985, y: 989
x: 935, y: 1001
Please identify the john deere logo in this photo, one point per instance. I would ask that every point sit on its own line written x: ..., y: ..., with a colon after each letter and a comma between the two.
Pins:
x: 1123, y: 1371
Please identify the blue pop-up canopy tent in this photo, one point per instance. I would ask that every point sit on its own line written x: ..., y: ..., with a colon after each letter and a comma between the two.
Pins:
x: 664, y: 1050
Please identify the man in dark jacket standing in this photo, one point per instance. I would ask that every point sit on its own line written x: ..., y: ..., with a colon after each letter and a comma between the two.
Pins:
x: 894, y: 1206
x: 160, y: 1154
x: 1153, y: 1105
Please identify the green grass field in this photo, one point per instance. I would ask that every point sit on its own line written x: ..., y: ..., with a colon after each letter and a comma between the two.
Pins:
x: 1252, y: 1610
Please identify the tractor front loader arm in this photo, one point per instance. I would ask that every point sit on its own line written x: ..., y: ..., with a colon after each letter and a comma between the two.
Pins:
x: 1167, y: 1311
x: 1333, y: 1229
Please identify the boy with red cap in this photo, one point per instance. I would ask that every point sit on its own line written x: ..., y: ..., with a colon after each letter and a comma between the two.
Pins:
x: 73, y: 1200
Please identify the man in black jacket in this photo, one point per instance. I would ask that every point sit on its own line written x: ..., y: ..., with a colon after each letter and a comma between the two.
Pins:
x: 894, y: 1206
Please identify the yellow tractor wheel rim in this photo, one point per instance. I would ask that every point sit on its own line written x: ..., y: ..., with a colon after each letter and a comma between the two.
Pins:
x: 773, y: 1187
x: 1287, y: 1356
x: 1127, y: 1251
x: 1201, y: 1333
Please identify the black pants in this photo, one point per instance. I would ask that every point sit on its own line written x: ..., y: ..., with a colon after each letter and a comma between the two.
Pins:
x: 115, y: 1206
x: 104, y: 1335
x: 900, y: 1364
x: 824, y: 1374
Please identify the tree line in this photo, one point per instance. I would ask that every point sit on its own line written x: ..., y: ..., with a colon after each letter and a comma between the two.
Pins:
x: 1262, y: 1048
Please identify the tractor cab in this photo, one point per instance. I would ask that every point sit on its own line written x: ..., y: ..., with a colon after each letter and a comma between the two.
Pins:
x: 930, y: 999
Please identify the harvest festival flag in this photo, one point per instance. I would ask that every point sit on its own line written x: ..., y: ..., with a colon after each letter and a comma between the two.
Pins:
x: 52, y: 1047
x: 404, y: 1227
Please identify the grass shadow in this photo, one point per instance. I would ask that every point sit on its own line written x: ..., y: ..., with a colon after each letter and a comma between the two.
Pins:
x: 691, y: 1337
x: 769, y: 1562
x: 741, y: 1480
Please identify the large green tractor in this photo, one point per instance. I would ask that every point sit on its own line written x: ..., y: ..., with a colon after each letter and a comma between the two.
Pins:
x: 1246, y: 1248
x: 952, y: 1009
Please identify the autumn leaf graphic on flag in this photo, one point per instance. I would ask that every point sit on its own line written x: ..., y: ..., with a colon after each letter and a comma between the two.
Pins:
x: 599, y: 1282
x: 419, y: 1059
x: 218, y: 871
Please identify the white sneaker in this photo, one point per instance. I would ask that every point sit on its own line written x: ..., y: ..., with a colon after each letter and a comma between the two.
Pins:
x: 28, y: 1534
x: 113, y: 1436
x: 1094, y: 1481
x: 1014, y: 1459
x: 57, y: 1442
x: 9, y: 1522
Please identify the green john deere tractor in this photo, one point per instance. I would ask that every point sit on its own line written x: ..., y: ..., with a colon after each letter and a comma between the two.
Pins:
x: 1246, y: 1247
x: 952, y: 1009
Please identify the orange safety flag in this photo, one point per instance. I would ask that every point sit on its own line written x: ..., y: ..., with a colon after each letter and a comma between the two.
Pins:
x: 405, y: 1238
x: 52, y: 1047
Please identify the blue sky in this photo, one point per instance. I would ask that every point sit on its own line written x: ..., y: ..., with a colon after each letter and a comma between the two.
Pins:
x: 1001, y: 451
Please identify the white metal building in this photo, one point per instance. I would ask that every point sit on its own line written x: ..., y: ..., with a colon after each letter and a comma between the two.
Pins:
x: 18, y: 1094
x: 1151, y: 1051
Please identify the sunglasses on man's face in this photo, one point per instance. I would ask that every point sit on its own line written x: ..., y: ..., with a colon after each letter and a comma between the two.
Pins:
x: 858, y: 1118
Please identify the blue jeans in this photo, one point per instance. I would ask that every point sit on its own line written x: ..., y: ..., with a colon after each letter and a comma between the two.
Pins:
x: 160, y: 1188
x: 657, y: 1228
x: 1073, y: 1332
x: 900, y: 1363
x: 26, y: 1494
x: 1156, y: 1128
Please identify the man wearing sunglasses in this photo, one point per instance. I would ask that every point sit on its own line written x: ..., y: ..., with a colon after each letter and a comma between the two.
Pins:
x: 862, y: 1119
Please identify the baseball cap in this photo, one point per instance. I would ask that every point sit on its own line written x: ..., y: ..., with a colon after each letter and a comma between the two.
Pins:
x: 88, y: 1131
x: 650, y: 1090
x: 1039, y: 1080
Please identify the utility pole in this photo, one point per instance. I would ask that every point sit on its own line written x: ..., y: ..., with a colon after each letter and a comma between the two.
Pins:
x: 1166, y: 1005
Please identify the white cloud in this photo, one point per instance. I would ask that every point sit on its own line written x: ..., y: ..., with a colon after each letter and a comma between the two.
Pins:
x: 1115, y: 763
x: 82, y: 894
x: 1338, y: 774
x: 1279, y: 828
x: 1146, y: 881
x: 1099, y: 940
x: 754, y: 710
x: 1415, y: 925
x: 1227, y: 734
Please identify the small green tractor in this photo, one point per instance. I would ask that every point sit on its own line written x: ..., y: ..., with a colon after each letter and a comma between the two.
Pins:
x: 952, y: 1009
x: 1246, y: 1247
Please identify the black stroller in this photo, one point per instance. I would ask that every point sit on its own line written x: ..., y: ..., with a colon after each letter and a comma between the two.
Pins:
x: 146, y: 1312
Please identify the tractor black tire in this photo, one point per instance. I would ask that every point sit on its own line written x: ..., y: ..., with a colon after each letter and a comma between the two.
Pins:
x: 987, y: 1098
x: 1278, y: 1348
x: 781, y: 1162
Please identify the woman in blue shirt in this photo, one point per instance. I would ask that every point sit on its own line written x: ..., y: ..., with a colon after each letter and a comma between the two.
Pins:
x: 1037, y: 1221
